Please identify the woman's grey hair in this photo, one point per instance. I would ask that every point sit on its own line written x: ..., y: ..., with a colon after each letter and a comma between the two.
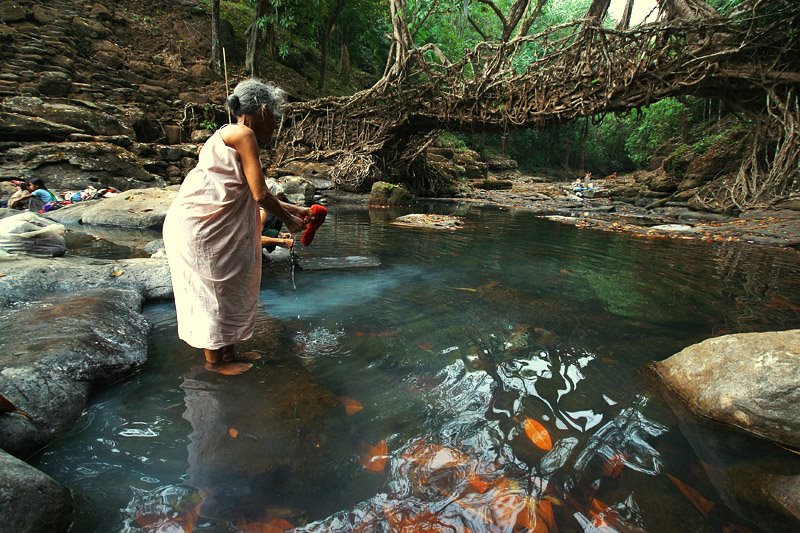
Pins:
x: 251, y: 95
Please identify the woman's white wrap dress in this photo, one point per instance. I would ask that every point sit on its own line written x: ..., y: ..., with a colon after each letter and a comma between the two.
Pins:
x: 211, y: 236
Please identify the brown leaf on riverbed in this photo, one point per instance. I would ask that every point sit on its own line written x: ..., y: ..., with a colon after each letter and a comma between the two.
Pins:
x: 538, y: 434
x: 376, y: 457
x: 8, y: 407
x: 117, y: 273
x: 273, y: 525
x: 351, y: 406
x: 698, y: 500
x: 233, y: 432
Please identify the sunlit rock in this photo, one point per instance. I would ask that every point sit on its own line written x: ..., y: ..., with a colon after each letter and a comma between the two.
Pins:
x: 140, y: 208
x: 430, y: 221
x: 750, y: 381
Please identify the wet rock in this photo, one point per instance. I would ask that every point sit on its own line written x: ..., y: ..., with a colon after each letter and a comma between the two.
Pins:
x: 388, y: 194
x: 54, y: 351
x: 31, y: 500
x: 29, y: 278
x: 748, y: 381
x: 755, y: 479
x: 139, y: 208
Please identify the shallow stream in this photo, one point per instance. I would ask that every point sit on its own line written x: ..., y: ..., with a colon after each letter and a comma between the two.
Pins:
x: 500, y: 375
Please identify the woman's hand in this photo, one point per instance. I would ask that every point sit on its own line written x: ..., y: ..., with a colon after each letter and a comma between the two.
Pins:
x: 293, y: 224
x: 288, y: 243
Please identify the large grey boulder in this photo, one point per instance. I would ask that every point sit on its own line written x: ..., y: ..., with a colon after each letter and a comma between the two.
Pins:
x: 750, y: 381
x: 140, y: 208
x: 31, y: 500
x: 55, y: 350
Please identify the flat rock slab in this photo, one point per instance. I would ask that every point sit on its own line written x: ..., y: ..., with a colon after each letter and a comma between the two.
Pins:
x: 31, y: 500
x: 28, y: 278
x: 139, y: 208
x: 430, y: 221
x: 329, y: 263
x: 55, y: 350
x: 750, y: 381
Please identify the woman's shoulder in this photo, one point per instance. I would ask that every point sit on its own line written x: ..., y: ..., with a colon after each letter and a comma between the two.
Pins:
x: 233, y: 133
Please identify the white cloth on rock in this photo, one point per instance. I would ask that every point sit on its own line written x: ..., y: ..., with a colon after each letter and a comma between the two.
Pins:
x: 211, y: 237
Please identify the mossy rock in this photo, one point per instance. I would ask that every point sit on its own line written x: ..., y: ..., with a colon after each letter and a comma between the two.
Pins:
x: 390, y: 195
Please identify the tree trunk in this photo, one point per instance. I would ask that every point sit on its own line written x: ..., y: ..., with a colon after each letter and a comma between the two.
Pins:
x: 325, y: 39
x: 345, y: 64
x: 216, y: 47
x: 255, y: 38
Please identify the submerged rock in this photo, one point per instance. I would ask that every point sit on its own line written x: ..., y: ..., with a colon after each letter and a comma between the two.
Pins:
x: 750, y: 381
x: 31, y: 500
x: 429, y: 221
x: 754, y: 478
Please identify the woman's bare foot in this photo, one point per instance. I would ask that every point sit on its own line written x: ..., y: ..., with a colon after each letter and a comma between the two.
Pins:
x: 245, y: 357
x: 229, y: 368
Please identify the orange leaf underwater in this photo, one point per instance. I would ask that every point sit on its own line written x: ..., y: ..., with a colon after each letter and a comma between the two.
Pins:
x: 537, y: 517
x: 538, y: 434
x: 351, y: 406
x: 698, y: 500
x: 233, y: 432
x: 376, y: 457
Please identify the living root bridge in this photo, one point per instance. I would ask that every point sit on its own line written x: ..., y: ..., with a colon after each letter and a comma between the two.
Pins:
x: 749, y: 57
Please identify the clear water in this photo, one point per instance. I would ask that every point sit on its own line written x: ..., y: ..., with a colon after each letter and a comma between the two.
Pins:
x: 449, y: 346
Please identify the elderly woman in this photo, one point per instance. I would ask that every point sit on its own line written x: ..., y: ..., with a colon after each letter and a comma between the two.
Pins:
x: 212, y: 231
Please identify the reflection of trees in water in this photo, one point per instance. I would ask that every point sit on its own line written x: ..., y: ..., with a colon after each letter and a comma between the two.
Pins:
x: 755, y: 283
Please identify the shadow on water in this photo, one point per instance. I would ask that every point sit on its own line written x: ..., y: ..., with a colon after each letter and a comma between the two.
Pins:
x: 480, y: 380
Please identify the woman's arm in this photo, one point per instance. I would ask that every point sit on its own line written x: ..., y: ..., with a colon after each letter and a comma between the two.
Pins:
x: 243, y: 140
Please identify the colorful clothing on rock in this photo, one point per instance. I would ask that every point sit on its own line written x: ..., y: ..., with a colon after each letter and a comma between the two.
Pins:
x: 212, y: 241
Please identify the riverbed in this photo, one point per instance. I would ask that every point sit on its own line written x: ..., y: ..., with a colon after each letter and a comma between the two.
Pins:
x: 477, y: 378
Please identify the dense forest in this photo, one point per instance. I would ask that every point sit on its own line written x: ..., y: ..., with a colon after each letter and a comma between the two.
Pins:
x: 341, y: 46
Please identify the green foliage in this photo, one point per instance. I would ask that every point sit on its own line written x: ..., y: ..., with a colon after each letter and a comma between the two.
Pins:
x: 207, y: 125
x: 454, y: 141
x: 655, y: 125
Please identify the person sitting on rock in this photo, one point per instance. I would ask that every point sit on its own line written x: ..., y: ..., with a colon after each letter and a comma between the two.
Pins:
x: 40, y: 194
x: 20, y: 198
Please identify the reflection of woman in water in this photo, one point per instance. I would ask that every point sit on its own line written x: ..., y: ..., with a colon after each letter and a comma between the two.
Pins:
x: 257, y: 454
